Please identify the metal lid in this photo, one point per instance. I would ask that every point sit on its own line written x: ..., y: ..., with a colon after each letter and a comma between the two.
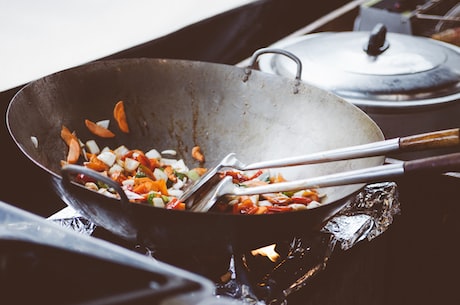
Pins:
x: 374, y: 68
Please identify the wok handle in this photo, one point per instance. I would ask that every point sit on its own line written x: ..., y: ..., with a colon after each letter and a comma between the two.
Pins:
x: 437, y: 164
x: 252, y: 63
x: 72, y: 169
x: 419, y: 142
x: 436, y: 139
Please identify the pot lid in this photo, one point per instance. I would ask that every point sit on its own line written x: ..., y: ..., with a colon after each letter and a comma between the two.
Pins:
x: 377, y: 67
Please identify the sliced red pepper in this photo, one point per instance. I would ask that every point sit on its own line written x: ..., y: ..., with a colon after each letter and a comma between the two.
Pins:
x: 80, y: 178
x: 143, y: 159
x: 252, y: 210
x: 236, y: 176
x: 301, y: 200
x: 257, y: 174
x: 279, y: 209
x: 175, y: 204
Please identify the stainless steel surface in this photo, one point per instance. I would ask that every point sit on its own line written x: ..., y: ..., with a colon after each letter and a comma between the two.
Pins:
x: 402, y: 100
x: 412, y: 72
x: 177, y: 104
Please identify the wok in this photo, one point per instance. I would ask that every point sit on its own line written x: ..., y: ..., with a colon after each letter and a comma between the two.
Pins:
x: 177, y: 104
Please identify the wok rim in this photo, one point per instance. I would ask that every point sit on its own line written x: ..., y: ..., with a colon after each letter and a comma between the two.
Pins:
x: 60, y: 178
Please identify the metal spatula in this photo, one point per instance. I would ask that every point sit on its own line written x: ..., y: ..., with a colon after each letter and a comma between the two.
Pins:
x: 438, y: 164
x: 437, y: 139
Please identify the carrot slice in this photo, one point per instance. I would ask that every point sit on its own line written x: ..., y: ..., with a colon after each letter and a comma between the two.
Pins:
x: 74, y: 151
x: 99, y: 130
x: 120, y: 116
x: 197, y: 154
x: 145, y: 185
x: 66, y: 135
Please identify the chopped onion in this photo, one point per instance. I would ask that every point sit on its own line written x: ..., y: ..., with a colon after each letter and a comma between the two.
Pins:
x: 313, y: 204
x: 264, y: 203
x: 159, y: 174
x: 153, y: 154
x: 158, y: 202
x: 168, y: 161
x: 133, y: 195
x: 297, y: 206
x: 103, y: 123
x: 131, y: 164
x: 107, y: 157
x: 34, y: 141
x: 91, y: 186
x: 120, y: 151
x: 178, y: 165
x: 116, y: 168
x: 175, y: 192
x: 106, y: 193
x: 127, y: 183
x: 92, y: 147
x: 178, y: 185
x: 171, y: 152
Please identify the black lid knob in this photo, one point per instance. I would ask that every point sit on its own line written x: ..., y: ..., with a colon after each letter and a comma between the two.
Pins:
x: 377, y: 43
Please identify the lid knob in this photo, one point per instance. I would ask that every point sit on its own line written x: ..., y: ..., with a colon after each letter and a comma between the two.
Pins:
x: 377, y: 43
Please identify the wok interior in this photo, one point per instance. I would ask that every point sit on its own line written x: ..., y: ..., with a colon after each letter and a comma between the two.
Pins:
x: 173, y: 104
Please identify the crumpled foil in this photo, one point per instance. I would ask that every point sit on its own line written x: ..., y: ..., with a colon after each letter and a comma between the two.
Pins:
x: 368, y: 215
x: 254, y: 279
x: 71, y: 219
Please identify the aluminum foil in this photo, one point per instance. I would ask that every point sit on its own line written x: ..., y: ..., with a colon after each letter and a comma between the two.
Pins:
x: 254, y: 279
x: 71, y: 219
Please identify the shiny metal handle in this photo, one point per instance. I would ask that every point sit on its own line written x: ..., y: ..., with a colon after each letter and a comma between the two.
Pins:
x: 253, y: 61
x: 430, y: 165
x: 72, y: 169
x: 366, y: 175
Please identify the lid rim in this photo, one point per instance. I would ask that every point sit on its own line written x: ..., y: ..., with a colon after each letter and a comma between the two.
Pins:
x: 438, y: 83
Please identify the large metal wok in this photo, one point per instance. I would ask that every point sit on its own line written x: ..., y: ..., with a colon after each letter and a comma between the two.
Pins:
x: 177, y: 104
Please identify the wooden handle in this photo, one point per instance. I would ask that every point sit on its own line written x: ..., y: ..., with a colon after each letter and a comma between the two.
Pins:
x: 436, y: 139
x: 437, y: 164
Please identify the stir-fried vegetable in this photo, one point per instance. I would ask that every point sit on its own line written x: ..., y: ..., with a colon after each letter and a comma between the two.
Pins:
x: 120, y: 116
x: 156, y: 180
x: 159, y: 179
x: 265, y: 203
x: 99, y: 130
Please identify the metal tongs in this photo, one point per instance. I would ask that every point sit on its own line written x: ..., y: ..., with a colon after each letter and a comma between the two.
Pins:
x: 202, y: 195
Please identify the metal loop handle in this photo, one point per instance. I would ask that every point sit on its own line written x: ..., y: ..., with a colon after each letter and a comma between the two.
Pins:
x: 69, y: 169
x: 253, y: 61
